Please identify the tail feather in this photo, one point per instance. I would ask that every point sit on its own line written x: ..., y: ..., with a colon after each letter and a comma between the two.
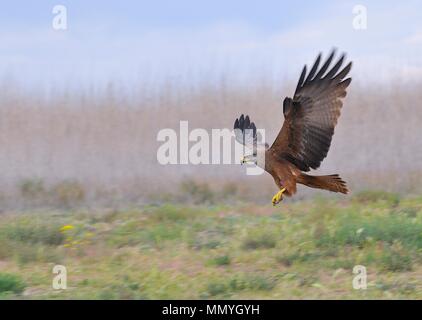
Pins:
x: 331, y: 183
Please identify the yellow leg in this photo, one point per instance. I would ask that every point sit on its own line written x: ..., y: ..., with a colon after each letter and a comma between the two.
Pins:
x: 278, y: 196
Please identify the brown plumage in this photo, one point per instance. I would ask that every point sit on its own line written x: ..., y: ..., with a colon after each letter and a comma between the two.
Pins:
x: 305, y: 137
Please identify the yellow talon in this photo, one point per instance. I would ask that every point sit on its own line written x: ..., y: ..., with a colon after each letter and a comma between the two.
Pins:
x: 278, y: 196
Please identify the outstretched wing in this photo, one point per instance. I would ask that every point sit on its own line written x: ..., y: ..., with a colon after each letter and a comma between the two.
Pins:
x: 311, y: 116
x: 245, y: 131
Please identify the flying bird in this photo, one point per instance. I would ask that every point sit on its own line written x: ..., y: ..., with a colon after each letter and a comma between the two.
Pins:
x: 305, y: 137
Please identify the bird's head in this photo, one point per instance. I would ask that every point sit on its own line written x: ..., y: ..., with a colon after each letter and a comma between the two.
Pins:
x: 257, y: 157
x: 249, y: 159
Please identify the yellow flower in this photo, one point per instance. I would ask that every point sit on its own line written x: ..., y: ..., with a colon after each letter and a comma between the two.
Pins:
x: 66, y: 227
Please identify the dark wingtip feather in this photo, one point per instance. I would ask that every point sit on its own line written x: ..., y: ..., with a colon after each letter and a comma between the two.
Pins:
x: 244, y: 123
x: 336, y: 67
x: 346, y: 82
x: 301, y: 79
x: 247, y: 122
x: 314, y: 69
x: 343, y: 72
x: 325, y: 65
x: 253, y: 127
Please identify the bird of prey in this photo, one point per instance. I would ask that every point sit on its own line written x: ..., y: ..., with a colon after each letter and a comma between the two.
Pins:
x: 305, y: 137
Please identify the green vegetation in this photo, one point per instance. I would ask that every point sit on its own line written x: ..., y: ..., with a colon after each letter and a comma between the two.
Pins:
x: 10, y: 283
x: 296, y: 250
x: 65, y: 194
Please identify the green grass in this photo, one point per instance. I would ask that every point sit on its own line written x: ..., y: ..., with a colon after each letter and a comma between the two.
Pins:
x: 11, y: 283
x: 222, y: 260
x: 300, y: 250
x: 262, y: 240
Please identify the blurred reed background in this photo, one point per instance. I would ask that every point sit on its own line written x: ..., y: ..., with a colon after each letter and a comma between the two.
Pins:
x: 98, y: 147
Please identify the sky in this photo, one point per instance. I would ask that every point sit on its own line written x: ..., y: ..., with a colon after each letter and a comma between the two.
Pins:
x: 152, y: 41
